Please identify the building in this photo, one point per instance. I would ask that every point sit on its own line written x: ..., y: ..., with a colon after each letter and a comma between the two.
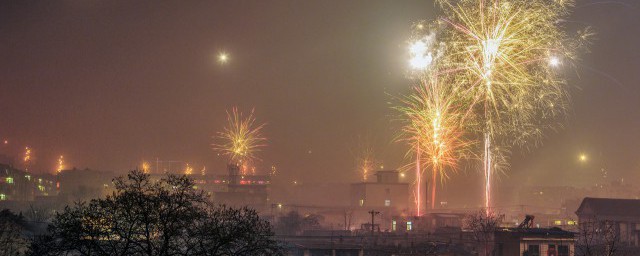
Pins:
x: 431, y: 222
x: 19, y: 185
x: 533, y: 242
x: 82, y: 185
x: 386, y: 193
x: 621, y: 216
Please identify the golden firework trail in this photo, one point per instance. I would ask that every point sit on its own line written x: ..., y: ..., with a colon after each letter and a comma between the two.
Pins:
x: 241, y: 139
x: 146, y: 167
x: 188, y: 170
x: 433, y: 116
x: 365, y: 159
x: 60, y: 166
x: 27, y: 158
x: 433, y: 128
x: 501, y: 56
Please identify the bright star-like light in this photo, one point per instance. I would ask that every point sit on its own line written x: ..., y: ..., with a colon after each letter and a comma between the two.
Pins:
x: 583, y: 158
x: 420, y: 57
x: 223, y: 57
x: 554, y: 61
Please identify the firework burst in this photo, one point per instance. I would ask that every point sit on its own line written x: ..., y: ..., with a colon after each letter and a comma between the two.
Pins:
x: 501, y: 57
x: 366, y: 161
x: 433, y: 129
x: 60, y: 165
x: 241, y: 139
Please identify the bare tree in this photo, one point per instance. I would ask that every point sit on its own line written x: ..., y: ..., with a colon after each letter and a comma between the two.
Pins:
x: 165, y: 217
x: 483, y: 225
x: 598, y: 238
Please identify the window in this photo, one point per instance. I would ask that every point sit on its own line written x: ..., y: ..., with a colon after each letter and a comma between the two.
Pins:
x: 563, y: 250
x: 533, y: 250
x: 3, y: 197
x: 9, y: 180
x: 387, y: 202
x: 552, y: 250
x: 557, y: 222
x: 393, y: 225
x: 361, y: 202
x: 409, y: 226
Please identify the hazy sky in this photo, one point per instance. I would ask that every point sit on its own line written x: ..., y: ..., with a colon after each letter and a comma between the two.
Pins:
x: 110, y: 83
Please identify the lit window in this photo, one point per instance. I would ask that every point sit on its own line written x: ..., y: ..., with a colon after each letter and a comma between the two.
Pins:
x: 409, y: 226
x: 393, y: 225
x: 572, y: 222
x: 9, y: 180
x: 557, y: 222
x: 3, y: 197
x: 361, y: 202
x: 40, y: 187
x: 28, y: 177
x: 387, y: 202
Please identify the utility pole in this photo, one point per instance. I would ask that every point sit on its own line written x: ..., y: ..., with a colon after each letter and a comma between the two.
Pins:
x: 373, y: 214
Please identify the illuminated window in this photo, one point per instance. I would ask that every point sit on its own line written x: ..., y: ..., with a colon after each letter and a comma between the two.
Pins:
x: 409, y: 226
x: 40, y: 187
x: 557, y: 222
x: 361, y: 202
x: 9, y: 180
x: 393, y: 225
x: 572, y: 222
x: 28, y: 177
x: 3, y: 197
x: 387, y: 202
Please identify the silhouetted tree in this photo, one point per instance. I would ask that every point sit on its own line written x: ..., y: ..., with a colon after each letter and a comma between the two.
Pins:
x: 598, y: 238
x: 483, y: 225
x: 165, y: 217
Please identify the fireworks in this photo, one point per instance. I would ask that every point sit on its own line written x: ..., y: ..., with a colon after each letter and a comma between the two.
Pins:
x: 492, y: 70
x: 146, y: 167
x: 365, y: 157
x: 501, y: 54
x: 241, y: 138
x: 188, y: 170
x: 434, y: 130
x: 27, y: 158
x: 60, y: 164
x: 223, y: 57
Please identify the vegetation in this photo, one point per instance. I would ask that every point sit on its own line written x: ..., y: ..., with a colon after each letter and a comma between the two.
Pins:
x: 163, y: 217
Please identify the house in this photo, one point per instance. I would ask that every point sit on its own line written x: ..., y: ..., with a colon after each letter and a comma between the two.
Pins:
x: 386, y: 192
x: 534, y: 242
x: 621, y: 215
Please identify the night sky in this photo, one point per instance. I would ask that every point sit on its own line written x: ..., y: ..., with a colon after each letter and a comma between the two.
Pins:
x: 110, y: 83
